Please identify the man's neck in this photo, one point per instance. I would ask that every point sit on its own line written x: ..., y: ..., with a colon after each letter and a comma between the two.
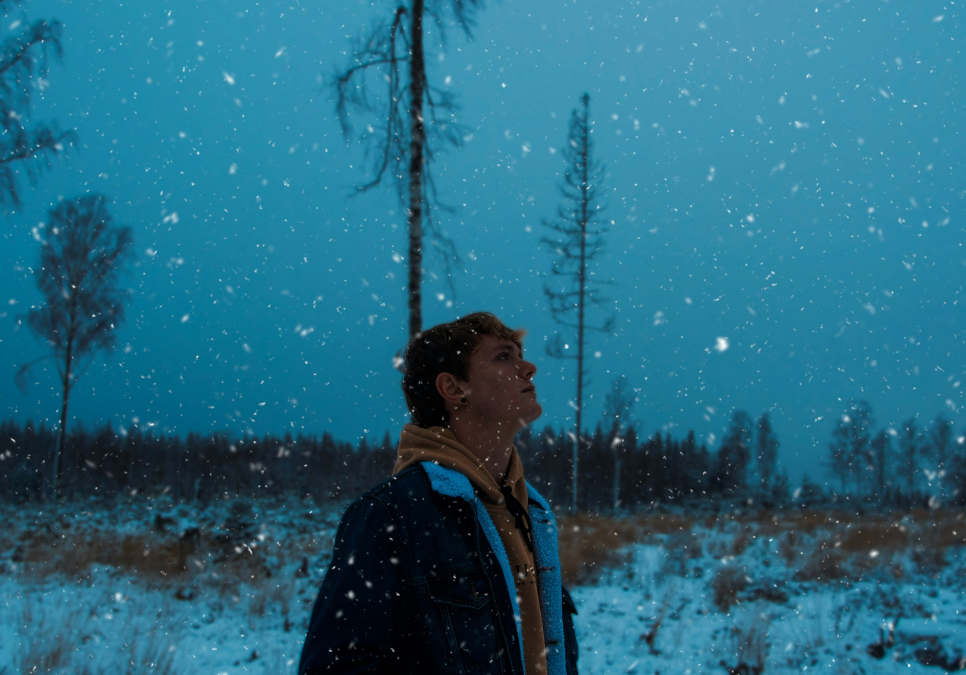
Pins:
x: 491, y: 443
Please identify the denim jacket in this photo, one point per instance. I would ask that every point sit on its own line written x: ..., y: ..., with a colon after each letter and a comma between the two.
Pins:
x: 419, y: 582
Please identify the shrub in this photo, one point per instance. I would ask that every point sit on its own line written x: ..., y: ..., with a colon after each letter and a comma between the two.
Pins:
x: 727, y: 583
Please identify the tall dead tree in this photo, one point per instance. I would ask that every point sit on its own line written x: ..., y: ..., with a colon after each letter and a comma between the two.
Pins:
x: 387, y: 82
x: 575, y: 242
x: 24, y: 56
x: 82, y: 257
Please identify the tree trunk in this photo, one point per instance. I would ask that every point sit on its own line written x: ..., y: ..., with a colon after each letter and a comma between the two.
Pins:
x: 582, y: 280
x: 618, y: 447
x: 417, y: 88
x: 62, y: 438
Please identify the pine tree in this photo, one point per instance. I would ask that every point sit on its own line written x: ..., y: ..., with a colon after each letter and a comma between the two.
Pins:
x: 767, y: 451
x: 734, y: 456
x: 575, y: 241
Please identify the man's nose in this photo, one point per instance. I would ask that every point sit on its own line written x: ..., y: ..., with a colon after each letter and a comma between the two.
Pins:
x: 528, y: 369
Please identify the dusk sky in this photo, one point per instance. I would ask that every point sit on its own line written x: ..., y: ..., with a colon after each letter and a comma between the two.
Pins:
x: 785, y: 190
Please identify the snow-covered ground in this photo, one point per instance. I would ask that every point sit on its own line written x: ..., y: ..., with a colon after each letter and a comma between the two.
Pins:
x: 135, y: 589
x: 859, y: 595
x: 98, y: 591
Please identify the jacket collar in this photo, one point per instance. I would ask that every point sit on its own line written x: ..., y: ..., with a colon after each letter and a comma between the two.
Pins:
x: 452, y: 483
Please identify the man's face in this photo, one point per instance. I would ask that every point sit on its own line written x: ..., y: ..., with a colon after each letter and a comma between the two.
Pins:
x: 499, y: 385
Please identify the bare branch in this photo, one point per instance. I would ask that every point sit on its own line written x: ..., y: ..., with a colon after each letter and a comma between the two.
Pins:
x: 23, y: 58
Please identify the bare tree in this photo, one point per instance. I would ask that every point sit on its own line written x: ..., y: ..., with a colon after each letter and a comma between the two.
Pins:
x: 399, y: 143
x: 82, y: 257
x: 839, y: 461
x: 910, y: 448
x: 850, y: 452
x: 881, y: 451
x: 576, y: 240
x: 23, y: 65
x: 767, y: 460
x: 941, y: 438
x: 617, y: 407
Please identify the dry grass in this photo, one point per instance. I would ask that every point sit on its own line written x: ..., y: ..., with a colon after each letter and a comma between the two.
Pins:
x: 73, y: 556
x: 150, y: 653
x: 158, y: 557
x: 848, y: 546
x: 41, y: 646
x: 148, y: 556
x: 873, y: 534
x: 55, y: 644
x: 749, y: 644
x: 589, y: 543
x: 819, y: 546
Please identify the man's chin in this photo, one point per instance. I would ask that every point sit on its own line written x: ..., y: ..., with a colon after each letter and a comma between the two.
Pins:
x: 533, y: 412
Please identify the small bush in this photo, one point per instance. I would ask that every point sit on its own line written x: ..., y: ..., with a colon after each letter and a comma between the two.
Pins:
x: 823, y: 564
x: 749, y: 644
x: 739, y: 544
x: 790, y: 547
x: 727, y: 584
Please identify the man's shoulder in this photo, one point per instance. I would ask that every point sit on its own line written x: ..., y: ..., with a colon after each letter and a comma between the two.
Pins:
x: 410, y: 495
x: 409, y: 484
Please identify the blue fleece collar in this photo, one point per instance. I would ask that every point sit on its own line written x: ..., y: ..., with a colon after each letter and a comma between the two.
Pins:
x: 452, y: 483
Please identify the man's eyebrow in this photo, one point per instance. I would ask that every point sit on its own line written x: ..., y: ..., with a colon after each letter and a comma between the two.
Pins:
x: 508, y: 346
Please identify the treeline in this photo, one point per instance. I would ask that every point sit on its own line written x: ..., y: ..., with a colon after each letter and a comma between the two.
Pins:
x: 659, y: 469
x: 619, y: 470
x: 197, y: 468
x: 916, y: 464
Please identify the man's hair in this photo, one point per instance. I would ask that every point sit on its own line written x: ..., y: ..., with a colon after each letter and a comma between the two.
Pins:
x: 445, y: 348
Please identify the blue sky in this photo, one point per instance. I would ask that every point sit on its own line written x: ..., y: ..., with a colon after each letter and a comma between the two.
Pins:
x: 787, y: 176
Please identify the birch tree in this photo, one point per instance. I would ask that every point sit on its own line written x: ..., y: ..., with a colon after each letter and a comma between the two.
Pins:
x: 24, y: 57
x: 82, y: 259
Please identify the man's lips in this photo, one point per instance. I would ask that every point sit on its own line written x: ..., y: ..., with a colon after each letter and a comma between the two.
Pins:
x: 530, y: 388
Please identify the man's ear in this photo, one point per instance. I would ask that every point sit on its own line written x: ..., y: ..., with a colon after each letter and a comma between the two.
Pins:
x: 449, y: 388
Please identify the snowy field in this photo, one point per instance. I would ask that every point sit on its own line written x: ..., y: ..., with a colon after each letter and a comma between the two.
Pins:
x: 152, y: 587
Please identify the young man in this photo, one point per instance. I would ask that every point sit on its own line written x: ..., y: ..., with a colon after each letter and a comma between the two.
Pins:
x: 451, y: 565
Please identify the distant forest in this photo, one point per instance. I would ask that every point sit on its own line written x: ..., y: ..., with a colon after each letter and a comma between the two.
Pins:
x: 619, y: 470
